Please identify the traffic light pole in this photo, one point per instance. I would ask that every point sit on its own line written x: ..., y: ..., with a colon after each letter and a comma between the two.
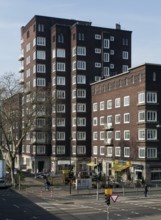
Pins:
x: 108, y: 213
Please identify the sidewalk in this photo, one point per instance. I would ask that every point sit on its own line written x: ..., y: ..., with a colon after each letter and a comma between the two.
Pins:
x: 60, y: 189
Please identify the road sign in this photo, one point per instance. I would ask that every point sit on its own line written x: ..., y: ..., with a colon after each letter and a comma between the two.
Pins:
x: 114, y: 197
x: 108, y: 191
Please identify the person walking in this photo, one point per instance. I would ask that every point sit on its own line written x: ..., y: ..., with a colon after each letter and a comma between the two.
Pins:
x: 146, y: 190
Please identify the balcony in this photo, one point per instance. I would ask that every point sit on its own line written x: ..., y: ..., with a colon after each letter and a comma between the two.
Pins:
x: 21, y: 57
x: 108, y: 142
x: 21, y: 81
x: 108, y: 127
x: 21, y: 69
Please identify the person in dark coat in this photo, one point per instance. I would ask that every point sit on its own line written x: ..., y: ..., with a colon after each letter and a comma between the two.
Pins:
x: 146, y: 190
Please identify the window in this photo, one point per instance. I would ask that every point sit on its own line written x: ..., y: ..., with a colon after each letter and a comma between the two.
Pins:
x: 81, y: 135
x: 40, y: 136
x: 141, y: 97
x: 60, y: 80
x: 41, y: 68
x: 126, y: 152
x: 95, y: 150
x: 81, y: 107
x: 141, y: 134
x: 106, y: 71
x: 151, y: 134
x: 151, y: 97
x: 40, y: 28
x: 125, y: 55
x: 106, y: 57
x: 141, y: 152
x: 152, y: 116
x: 117, y: 119
x: 126, y: 100
x: 41, y: 82
x: 117, y: 103
x: 127, y: 118
x: 125, y: 68
x: 60, y: 66
x: 95, y: 121
x: 102, y: 135
x: 60, y: 149
x: 41, y: 41
x: 109, y: 151
x: 60, y: 135
x: 125, y: 42
x: 117, y: 151
x: 109, y: 119
x: 60, y: 38
x: 97, y: 36
x: 141, y: 116
x: 98, y: 65
x: 81, y: 149
x: 81, y: 36
x: 106, y: 43
x: 95, y: 107
x: 81, y: 121
x: 109, y: 104
x: 40, y: 149
x: 154, y: 77
x: 102, y: 120
x: 81, y: 79
x: 40, y: 122
x: 102, y: 105
x: 126, y: 135
x: 102, y: 150
x: 81, y: 65
x: 61, y: 94
x: 81, y: 93
x: 60, y: 53
x: 81, y: 51
x: 95, y: 135
x: 60, y: 122
x: 41, y: 55
x: 60, y: 108
x: 97, y: 50
x: 151, y: 152
x: 117, y: 135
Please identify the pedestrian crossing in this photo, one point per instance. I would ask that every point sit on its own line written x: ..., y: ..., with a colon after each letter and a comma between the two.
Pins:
x: 123, y: 209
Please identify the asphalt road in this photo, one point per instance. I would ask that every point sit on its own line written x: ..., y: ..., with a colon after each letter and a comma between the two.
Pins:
x: 58, y: 204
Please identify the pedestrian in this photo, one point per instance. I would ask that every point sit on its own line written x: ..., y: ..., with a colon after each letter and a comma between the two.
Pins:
x: 47, y: 184
x: 146, y: 190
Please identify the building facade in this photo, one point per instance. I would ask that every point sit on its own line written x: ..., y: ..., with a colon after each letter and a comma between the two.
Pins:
x: 60, y: 58
x: 125, y: 117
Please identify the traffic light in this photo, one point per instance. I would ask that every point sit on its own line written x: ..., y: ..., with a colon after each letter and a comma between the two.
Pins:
x: 107, y: 199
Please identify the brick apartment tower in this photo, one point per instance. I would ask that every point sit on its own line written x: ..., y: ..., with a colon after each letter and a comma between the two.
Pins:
x: 65, y: 56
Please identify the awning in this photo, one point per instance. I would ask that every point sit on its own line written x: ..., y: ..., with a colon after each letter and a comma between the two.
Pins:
x: 91, y: 164
x: 120, y: 167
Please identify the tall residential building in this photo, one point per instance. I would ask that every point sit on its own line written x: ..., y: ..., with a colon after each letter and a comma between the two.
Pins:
x: 126, y: 119
x: 60, y: 58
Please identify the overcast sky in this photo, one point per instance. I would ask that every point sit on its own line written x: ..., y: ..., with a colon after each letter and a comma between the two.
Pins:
x: 142, y: 17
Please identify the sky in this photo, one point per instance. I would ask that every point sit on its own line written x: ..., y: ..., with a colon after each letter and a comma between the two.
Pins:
x: 142, y: 17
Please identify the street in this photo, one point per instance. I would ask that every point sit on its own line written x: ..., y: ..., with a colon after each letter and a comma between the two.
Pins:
x: 35, y: 202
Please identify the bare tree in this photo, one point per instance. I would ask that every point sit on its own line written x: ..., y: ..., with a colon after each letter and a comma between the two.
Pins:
x: 17, y: 117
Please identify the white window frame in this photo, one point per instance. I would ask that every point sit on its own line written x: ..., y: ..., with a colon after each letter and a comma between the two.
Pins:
x: 117, y: 102
x: 126, y: 101
x: 126, y: 135
x: 141, y: 152
x: 151, y: 152
x: 125, y: 151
